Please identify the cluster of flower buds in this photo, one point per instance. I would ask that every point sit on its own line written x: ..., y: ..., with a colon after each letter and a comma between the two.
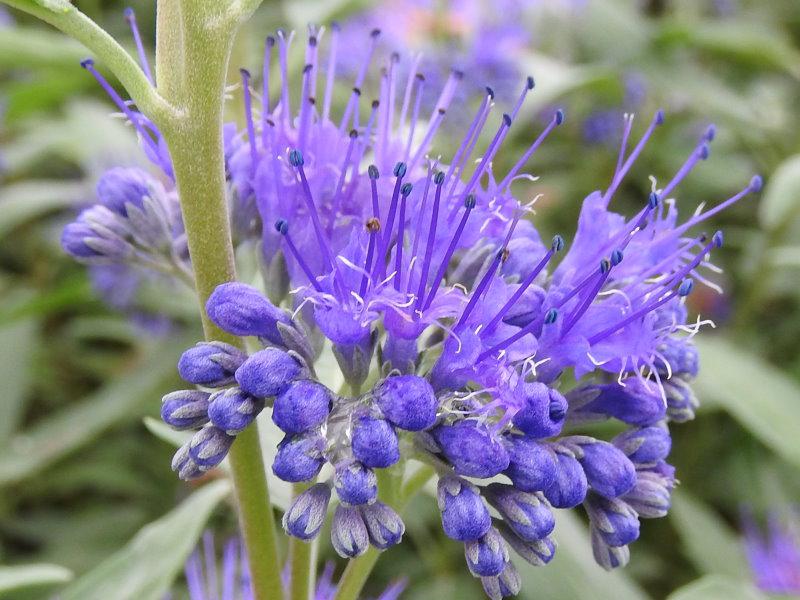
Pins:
x: 136, y: 221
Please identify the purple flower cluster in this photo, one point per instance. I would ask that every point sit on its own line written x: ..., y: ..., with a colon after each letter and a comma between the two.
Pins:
x: 229, y: 579
x: 456, y: 328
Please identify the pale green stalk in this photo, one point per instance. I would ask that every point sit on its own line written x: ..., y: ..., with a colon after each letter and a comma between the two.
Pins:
x: 193, y: 49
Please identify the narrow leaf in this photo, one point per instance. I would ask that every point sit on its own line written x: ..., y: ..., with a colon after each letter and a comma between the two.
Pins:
x: 13, y: 579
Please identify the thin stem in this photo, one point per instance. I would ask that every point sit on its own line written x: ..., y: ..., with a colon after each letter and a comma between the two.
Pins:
x: 124, y: 67
x: 302, y: 558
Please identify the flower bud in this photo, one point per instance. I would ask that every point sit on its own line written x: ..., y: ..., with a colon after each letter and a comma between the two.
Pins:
x: 616, y: 523
x: 464, y: 516
x: 121, y: 186
x: 569, y: 485
x: 650, y: 497
x: 384, y: 526
x: 299, y: 458
x: 471, y: 449
x: 487, y: 556
x: 680, y: 355
x: 210, y: 364
x: 302, y: 405
x: 232, y: 410
x: 537, y: 553
x: 209, y: 446
x: 240, y: 309
x: 355, y: 484
x: 96, y: 236
x: 185, y: 409
x: 374, y: 442
x: 306, y: 514
x: 407, y: 401
x: 532, y: 464
x: 681, y: 401
x: 183, y: 464
x: 638, y: 402
x: 608, y: 470
x: 508, y: 583
x: 348, y: 532
x: 645, y: 445
x: 608, y: 557
x: 528, y: 515
x: 267, y: 373
x: 543, y: 411
x: 528, y: 307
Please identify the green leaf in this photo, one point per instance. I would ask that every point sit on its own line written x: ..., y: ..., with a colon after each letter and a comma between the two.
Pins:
x: 19, y: 577
x: 781, y: 199
x: 573, y: 573
x: 763, y: 399
x: 27, y: 47
x: 145, y: 568
x: 710, y: 544
x: 17, y: 346
x: 165, y: 433
x: 29, y: 200
x: 714, y: 587
x: 55, y: 436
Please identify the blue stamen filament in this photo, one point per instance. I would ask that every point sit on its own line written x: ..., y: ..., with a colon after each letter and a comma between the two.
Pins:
x: 469, y: 204
x: 426, y: 263
x: 373, y: 226
x: 558, y: 118
x: 248, y: 114
x: 556, y: 246
x: 380, y: 265
x: 398, y: 257
x: 282, y: 227
x: 130, y: 17
x: 269, y: 42
x: 574, y: 317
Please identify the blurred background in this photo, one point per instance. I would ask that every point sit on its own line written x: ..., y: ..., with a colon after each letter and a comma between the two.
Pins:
x: 86, y: 354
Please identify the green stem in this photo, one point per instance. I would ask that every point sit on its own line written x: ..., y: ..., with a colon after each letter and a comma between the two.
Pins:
x: 358, y: 570
x: 302, y: 558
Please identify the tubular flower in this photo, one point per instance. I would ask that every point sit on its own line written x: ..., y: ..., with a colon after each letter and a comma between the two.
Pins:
x: 450, y: 319
x: 774, y: 554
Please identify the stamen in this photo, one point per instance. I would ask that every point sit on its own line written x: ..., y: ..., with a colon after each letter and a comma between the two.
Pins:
x: 331, y: 74
x: 558, y: 119
x: 380, y: 265
x: 556, y: 246
x: 701, y: 152
x: 433, y: 127
x: 753, y: 187
x: 477, y: 124
x: 658, y: 119
x: 337, y: 195
x: 549, y: 318
x: 306, y: 103
x: 372, y: 170
x: 529, y: 85
x: 438, y: 180
x: 419, y: 80
x: 401, y: 223
x: 282, y: 227
x: 418, y: 224
x: 469, y: 204
x: 683, y: 290
x: 605, y: 271
x: 351, y: 105
x: 134, y: 118
x: 130, y: 17
x: 265, y: 69
x: 716, y: 242
x: 248, y: 115
x: 483, y: 284
x: 373, y: 226
x: 283, y: 56
x: 412, y: 72
x: 626, y: 133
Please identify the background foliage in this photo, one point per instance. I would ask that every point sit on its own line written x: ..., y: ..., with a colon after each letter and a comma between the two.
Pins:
x: 82, y: 471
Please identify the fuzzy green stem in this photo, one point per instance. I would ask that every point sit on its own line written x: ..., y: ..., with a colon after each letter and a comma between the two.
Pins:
x: 194, y: 78
x: 358, y: 570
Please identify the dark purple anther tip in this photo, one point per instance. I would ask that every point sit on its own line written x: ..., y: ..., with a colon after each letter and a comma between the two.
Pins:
x: 756, y: 183
x: 87, y: 63
x: 551, y: 316
x: 470, y: 201
x: 616, y: 257
x: 530, y: 82
x: 717, y: 239
x: 659, y: 117
x: 507, y: 119
x: 372, y: 170
x: 557, y: 244
x: 559, y: 117
x: 438, y: 179
x: 406, y: 189
x: 282, y: 226
x: 686, y: 287
x: 399, y: 169
x: 296, y: 158
x: 605, y: 266
x: 652, y: 200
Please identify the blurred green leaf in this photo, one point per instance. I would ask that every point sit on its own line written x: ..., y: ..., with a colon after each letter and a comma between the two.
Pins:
x: 65, y: 431
x: 714, y: 587
x: 18, y: 342
x: 165, y: 433
x: 145, y: 568
x: 764, y: 400
x: 22, y: 46
x: 707, y: 540
x: 573, y: 574
x: 30, y: 200
x: 13, y: 579
x: 740, y: 40
x: 781, y: 199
